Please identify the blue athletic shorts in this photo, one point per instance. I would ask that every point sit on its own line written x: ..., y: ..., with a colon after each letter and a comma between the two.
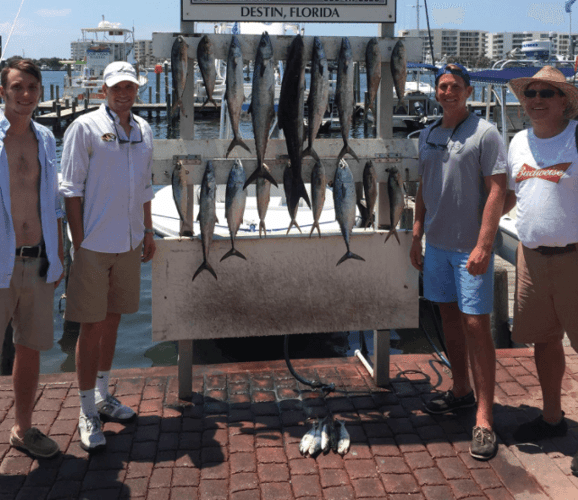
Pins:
x: 446, y: 279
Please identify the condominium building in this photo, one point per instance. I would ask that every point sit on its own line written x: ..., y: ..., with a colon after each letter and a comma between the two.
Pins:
x: 143, y: 51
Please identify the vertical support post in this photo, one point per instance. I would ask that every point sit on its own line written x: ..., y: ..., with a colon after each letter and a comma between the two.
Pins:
x: 488, y: 102
x: 185, y: 369
x: 158, y: 87
x: 504, y: 105
x: 381, y: 341
x: 52, y: 91
x: 57, y: 92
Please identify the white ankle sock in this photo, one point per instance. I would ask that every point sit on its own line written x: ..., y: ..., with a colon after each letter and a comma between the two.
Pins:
x: 101, y: 386
x: 87, y: 403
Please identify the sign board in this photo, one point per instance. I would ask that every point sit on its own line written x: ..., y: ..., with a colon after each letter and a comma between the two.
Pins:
x: 293, y: 11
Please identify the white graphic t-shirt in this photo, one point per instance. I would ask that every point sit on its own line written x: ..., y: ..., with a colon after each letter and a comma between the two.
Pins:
x: 544, y: 175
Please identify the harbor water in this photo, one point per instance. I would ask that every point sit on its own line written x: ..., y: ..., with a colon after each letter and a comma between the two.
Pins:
x: 135, y: 348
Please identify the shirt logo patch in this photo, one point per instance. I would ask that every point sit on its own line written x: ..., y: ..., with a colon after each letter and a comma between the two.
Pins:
x: 108, y: 137
x: 552, y: 174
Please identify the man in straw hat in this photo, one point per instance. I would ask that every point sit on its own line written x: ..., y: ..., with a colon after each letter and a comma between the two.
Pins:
x: 543, y: 178
x: 462, y: 167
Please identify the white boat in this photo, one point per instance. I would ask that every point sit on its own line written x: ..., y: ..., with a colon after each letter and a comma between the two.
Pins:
x: 106, y: 43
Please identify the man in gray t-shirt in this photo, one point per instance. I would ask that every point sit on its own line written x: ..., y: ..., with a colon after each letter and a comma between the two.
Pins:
x: 462, y: 168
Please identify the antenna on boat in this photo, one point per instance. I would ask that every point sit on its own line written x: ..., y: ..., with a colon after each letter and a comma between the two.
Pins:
x: 11, y: 31
x: 429, y: 32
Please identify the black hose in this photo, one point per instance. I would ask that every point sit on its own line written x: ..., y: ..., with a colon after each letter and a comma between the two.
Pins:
x: 326, y: 388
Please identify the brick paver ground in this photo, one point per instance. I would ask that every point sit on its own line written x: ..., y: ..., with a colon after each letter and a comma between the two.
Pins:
x: 239, y: 437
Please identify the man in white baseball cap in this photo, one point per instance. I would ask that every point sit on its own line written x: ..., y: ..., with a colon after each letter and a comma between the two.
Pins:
x: 106, y: 183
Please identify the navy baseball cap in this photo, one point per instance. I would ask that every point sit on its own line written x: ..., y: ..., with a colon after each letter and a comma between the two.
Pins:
x: 457, y: 70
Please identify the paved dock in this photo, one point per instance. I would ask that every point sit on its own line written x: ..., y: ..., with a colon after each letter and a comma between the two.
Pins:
x: 239, y: 436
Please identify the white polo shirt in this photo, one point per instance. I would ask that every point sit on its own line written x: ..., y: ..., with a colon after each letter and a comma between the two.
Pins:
x: 114, y: 179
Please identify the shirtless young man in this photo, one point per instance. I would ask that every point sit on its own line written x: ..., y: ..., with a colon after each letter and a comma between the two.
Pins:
x: 31, y: 251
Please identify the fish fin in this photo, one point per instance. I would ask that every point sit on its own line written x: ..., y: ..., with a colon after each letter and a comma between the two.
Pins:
x: 267, y: 175
x: 394, y: 232
x: 262, y: 226
x: 250, y: 110
x: 315, y: 225
x: 236, y: 142
x: 233, y: 252
x: 252, y: 177
x: 299, y: 191
x: 291, y: 224
x: 310, y: 152
x: 202, y: 267
x: 213, y: 101
x: 346, y: 150
x: 349, y: 255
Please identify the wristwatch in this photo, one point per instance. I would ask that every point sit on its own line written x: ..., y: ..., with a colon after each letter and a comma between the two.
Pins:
x: 149, y: 230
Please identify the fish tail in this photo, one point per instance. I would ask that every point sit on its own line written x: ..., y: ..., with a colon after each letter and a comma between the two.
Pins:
x: 263, y: 172
x: 310, y: 152
x: 252, y: 177
x: 349, y: 255
x: 291, y: 224
x: 236, y: 142
x: 213, y: 101
x: 394, y: 232
x: 315, y: 225
x: 301, y: 192
x: 202, y: 267
x: 346, y: 150
x: 262, y: 226
x: 233, y: 252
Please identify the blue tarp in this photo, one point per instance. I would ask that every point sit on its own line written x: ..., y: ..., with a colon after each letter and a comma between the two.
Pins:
x: 503, y: 76
x: 411, y: 65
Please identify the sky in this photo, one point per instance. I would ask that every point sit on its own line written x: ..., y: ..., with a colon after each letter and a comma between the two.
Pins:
x: 47, y: 32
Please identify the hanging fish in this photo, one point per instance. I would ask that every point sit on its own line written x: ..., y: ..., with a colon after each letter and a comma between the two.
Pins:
x: 207, y: 215
x: 398, y: 66
x: 263, y: 198
x: 307, y: 439
x: 235, y: 198
x: 315, y: 446
x: 179, y: 68
x: 373, y: 72
x: 318, y: 189
x: 370, y: 191
x: 396, y: 201
x: 206, y: 62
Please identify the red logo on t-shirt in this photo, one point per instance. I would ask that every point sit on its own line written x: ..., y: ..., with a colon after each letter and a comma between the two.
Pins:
x: 552, y: 174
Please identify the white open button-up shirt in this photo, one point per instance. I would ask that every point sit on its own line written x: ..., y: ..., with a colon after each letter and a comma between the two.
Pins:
x: 113, y: 178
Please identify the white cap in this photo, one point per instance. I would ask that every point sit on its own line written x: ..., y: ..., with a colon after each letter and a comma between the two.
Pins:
x: 119, y: 71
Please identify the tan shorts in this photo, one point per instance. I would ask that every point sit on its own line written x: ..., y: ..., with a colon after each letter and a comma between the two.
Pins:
x: 546, y: 301
x: 28, y: 302
x: 102, y: 282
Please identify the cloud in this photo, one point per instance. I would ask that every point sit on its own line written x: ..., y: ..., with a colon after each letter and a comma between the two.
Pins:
x: 546, y: 13
x: 450, y: 14
x: 53, y: 13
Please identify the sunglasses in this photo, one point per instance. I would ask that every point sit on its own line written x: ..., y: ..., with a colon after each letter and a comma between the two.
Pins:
x: 544, y: 93
x: 442, y: 146
x: 124, y: 141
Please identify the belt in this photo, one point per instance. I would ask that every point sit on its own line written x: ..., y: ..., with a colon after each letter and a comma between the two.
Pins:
x: 31, y: 251
x: 556, y: 250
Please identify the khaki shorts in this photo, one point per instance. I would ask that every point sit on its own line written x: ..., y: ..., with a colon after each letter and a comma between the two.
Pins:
x: 28, y: 302
x: 546, y: 300
x: 102, y: 282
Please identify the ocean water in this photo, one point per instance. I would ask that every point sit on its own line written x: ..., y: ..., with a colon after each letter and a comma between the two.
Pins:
x: 135, y: 348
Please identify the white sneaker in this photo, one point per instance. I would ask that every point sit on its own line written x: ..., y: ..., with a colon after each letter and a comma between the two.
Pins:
x: 112, y: 409
x: 91, y: 435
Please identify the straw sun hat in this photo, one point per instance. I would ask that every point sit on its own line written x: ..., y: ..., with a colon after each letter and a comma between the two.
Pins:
x: 554, y: 77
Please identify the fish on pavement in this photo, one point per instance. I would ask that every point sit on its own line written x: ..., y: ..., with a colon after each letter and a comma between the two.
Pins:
x: 373, y: 72
x: 398, y: 67
x: 344, y: 97
x: 344, y: 201
x: 370, y: 191
x: 318, y: 95
x: 288, y: 189
x: 179, y: 68
x: 235, y: 198
x: 290, y: 114
x: 307, y: 439
x: 206, y: 62
x: 234, y: 93
x: 315, y: 446
x: 318, y: 189
x: 396, y: 195
x: 326, y: 424
x: 344, y: 440
x: 207, y: 215
x: 263, y: 198
x: 262, y: 106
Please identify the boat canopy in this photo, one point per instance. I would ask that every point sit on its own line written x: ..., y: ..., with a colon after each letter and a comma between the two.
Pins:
x: 503, y: 76
x: 431, y: 67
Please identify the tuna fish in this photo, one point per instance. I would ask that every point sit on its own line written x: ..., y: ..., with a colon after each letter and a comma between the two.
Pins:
x: 373, y: 71
x: 344, y: 97
x: 263, y: 197
x: 318, y: 95
x: 290, y: 116
x: 234, y: 94
x: 207, y: 215
x: 396, y: 201
x: 179, y: 65
x: 326, y: 425
x: 315, y: 446
x: 235, y: 198
x: 307, y: 439
x: 206, y: 62
x: 344, y: 201
x: 318, y: 185
x: 180, y: 194
x: 344, y: 440
x: 398, y: 66
x: 262, y: 104
x: 370, y: 191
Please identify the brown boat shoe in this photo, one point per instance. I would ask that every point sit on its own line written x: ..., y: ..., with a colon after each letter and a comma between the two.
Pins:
x: 35, y: 442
